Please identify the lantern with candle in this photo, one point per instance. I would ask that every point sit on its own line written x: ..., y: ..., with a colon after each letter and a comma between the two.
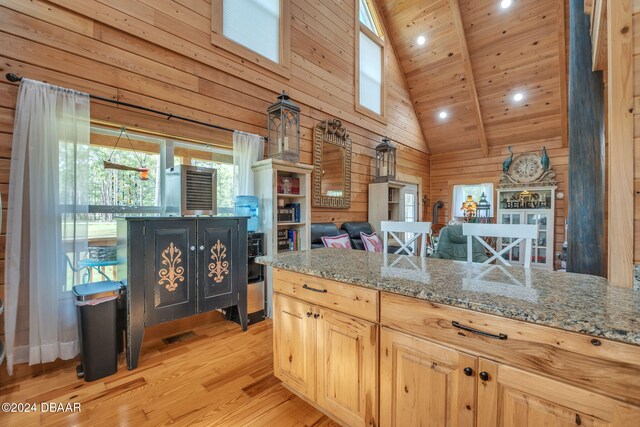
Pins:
x: 385, y: 161
x: 284, y: 129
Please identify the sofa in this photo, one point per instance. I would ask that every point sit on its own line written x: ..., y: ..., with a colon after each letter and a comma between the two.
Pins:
x: 320, y: 229
x: 353, y: 229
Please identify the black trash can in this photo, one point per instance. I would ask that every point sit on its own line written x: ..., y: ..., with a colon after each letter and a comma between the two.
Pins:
x: 98, y: 327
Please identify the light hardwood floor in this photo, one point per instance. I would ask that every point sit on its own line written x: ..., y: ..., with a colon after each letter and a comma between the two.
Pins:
x: 222, y: 377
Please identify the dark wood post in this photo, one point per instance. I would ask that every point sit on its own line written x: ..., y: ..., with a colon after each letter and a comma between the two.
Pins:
x: 586, y: 193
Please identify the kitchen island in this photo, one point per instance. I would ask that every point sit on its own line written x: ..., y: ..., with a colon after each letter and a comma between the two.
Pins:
x: 375, y: 339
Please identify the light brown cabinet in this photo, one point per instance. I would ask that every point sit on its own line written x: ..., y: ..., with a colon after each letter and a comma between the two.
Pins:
x: 329, y: 357
x: 425, y: 384
x: 294, y: 344
x: 512, y: 397
x: 428, y: 384
x: 361, y: 355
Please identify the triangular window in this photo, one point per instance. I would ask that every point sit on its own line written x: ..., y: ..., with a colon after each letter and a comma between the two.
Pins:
x: 367, y: 17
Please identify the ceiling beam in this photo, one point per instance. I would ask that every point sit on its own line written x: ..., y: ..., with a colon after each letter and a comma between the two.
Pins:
x: 471, y: 81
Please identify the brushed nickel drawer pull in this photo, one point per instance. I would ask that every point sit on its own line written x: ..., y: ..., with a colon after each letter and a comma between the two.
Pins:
x: 478, y: 332
x: 322, y: 291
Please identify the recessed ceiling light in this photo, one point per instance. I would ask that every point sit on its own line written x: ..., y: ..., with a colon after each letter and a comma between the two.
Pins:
x: 421, y: 40
x: 505, y: 4
x: 443, y: 114
x: 518, y: 97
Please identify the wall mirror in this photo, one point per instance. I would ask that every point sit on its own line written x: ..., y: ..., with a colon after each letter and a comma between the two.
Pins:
x: 331, y: 165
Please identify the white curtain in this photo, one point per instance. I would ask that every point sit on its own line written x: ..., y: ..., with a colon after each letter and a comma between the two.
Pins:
x: 247, y: 149
x: 47, y: 221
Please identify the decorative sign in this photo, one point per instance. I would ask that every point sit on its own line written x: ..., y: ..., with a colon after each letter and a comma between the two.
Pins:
x: 526, y: 200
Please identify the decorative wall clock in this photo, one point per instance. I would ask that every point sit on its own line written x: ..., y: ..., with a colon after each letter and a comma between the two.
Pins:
x: 526, y: 169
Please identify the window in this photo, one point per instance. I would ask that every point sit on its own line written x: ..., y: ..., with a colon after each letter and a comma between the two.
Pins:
x: 366, y: 18
x: 460, y: 193
x: 410, y: 207
x: 370, y: 61
x: 250, y: 27
x: 114, y: 192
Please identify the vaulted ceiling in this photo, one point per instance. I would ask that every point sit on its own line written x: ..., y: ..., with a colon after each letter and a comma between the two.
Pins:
x: 475, y: 58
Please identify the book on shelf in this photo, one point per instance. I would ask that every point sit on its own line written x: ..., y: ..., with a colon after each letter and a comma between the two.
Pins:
x: 289, y: 240
x: 296, y: 211
x: 286, y: 214
x: 289, y: 213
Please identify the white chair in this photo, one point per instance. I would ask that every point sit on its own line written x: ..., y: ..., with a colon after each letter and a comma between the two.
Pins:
x: 517, y: 232
x: 417, y: 230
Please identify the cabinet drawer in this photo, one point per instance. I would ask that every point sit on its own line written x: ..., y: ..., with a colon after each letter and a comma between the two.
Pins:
x: 350, y: 299
x: 601, y: 365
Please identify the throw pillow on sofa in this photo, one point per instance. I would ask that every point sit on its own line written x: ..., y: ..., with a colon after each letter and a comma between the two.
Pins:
x: 372, y: 242
x: 340, y: 242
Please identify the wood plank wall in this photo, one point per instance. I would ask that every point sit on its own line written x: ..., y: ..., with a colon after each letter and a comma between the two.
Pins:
x: 636, y: 128
x: 158, y: 53
x: 470, y: 167
x: 448, y: 169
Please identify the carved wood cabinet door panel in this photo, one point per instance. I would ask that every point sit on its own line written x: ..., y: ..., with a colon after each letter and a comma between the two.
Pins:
x: 169, y: 270
x: 425, y: 384
x: 217, y: 241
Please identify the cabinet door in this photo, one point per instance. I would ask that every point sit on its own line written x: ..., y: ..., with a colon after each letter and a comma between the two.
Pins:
x: 542, y: 248
x: 513, y: 254
x: 169, y: 257
x: 294, y: 342
x: 217, y: 264
x: 515, y: 398
x: 347, y: 360
x: 424, y: 384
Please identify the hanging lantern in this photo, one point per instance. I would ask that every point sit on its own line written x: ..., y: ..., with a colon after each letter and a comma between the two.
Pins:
x: 484, y: 207
x: 385, y: 161
x: 284, y: 129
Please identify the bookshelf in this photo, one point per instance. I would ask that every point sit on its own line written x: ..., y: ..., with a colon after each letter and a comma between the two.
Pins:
x: 385, y: 203
x: 284, y: 208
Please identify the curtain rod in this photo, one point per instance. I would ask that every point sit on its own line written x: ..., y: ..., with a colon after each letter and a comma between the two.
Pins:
x: 15, y: 78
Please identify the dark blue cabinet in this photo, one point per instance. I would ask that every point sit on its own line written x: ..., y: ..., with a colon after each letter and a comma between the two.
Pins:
x: 178, y: 267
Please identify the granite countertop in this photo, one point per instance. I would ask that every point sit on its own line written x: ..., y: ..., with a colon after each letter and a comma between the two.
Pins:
x: 573, y: 302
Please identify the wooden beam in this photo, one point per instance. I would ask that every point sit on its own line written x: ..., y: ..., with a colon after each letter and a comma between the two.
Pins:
x: 586, y: 191
x: 563, y: 72
x: 471, y: 81
x: 599, y: 35
x: 620, y: 125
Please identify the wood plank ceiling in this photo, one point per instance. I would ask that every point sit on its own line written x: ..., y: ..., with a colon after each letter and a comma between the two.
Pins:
x: 476, y: 57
